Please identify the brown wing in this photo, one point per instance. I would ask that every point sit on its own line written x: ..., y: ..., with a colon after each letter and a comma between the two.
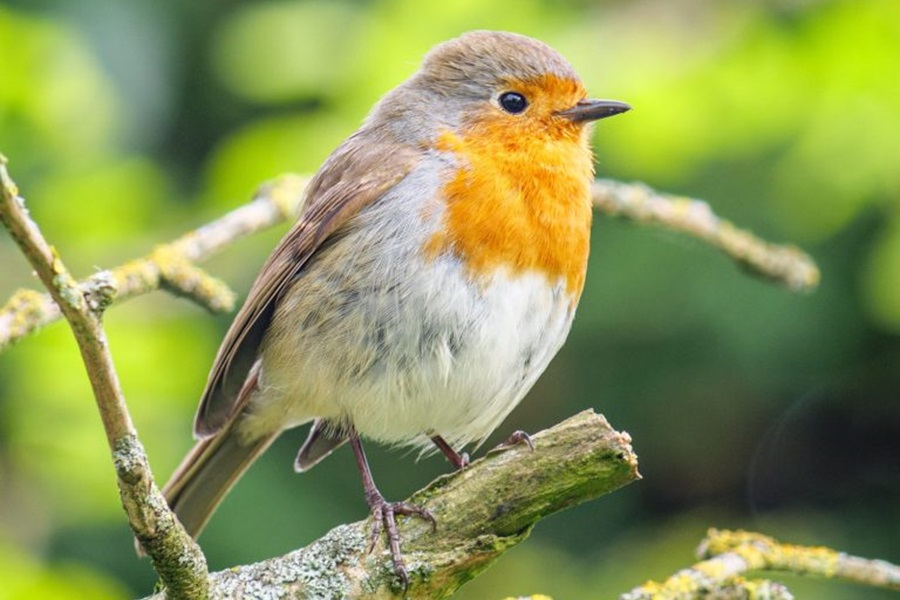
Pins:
x: 357, y: 173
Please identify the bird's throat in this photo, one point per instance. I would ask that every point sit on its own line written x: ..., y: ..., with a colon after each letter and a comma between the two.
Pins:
x: 518, y: 205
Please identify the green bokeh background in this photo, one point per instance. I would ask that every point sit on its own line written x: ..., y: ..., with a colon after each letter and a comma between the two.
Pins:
x: 128, y: 122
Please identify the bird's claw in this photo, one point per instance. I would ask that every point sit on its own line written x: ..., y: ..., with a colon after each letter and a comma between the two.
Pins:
x: 464, y: 461
x: 383, y: 518
x: 516, y: 438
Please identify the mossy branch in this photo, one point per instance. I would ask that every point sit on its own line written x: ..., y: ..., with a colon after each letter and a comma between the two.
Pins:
x: 172, y: 266
x: 481, y: 512
x: 729, y: 555
x: 177, y: 559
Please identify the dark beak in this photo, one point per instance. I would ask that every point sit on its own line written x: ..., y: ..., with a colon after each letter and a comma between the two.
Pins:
x: 592, y: 110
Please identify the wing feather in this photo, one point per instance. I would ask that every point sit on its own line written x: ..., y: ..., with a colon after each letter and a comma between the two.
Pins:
x: 357, y: 173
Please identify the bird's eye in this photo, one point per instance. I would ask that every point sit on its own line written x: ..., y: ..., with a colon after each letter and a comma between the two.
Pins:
x: 513, y: 102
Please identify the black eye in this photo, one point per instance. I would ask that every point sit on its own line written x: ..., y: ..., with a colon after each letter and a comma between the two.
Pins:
x: 513, y: 102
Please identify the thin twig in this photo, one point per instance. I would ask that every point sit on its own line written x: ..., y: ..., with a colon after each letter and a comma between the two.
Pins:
x: 171, y: 266
x: 731, y: 554
x: 783, y: 264
x: 149, y: 516
x: 761, y: 552
x: 481, y: 512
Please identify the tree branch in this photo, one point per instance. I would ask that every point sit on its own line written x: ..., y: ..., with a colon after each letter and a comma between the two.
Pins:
x: 730, y: 554
x: 177, y: 558
x: 171, y: 266
x: 783, y: 264
x: 481, y: 512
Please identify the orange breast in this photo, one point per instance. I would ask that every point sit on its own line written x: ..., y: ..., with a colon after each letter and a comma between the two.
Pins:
x: 521, y: 201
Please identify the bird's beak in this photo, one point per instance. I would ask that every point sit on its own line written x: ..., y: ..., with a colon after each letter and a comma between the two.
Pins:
x: 592, y: 110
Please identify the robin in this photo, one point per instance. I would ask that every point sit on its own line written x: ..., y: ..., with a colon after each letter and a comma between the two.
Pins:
x: 431, y: 278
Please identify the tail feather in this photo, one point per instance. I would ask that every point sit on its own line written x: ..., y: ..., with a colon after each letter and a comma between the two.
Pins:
x: 206, y: 474
x: 323, y: 439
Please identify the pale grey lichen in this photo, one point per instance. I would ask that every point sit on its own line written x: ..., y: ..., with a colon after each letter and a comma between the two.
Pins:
x: 68, y: 289
x: 100, y: 291
x: 129, y: 457
x: 316, y: 571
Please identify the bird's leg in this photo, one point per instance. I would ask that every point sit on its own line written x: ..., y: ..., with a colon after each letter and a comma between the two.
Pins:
x: 515, y: 438
x: 383, y: 511
x: 458, y: 460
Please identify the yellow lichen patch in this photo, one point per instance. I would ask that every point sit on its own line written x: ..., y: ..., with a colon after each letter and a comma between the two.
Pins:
x: 719, y: 541
x: 651, y: 588
x: 821, y: 560
x: 765, y: 553
x: 22, y: 313
x: 180, y: 276
x: 287, y: 194
x: 755, y: 556
x: 714, y: 569
x: 521, y: 198
x: 680, y: 584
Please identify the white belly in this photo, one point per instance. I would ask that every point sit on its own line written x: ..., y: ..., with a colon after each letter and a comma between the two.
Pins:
x: 454, y: 362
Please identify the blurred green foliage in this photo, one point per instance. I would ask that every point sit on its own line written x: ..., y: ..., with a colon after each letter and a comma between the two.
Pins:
x: 128, y: 122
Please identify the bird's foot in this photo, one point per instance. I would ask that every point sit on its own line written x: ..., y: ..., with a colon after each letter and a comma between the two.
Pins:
x: 383, y: 519
x: 516, y: 438
x: 459, y: 460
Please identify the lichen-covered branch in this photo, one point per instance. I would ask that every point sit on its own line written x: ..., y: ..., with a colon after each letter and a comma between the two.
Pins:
x: 784, y: 264
x: 171, y: 266
x: 481, y: 512
x: 760, y: 552
x: 731, y: 554
x: 148, y: 514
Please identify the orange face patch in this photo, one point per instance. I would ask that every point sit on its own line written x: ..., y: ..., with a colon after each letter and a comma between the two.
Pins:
x: 521, y: 200
x: 546, y: 95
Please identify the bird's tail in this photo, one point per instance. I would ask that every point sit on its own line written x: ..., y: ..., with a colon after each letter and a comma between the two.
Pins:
x: 206, y: 474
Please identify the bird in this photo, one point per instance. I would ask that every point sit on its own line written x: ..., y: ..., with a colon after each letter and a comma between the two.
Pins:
x: 430, y: 278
